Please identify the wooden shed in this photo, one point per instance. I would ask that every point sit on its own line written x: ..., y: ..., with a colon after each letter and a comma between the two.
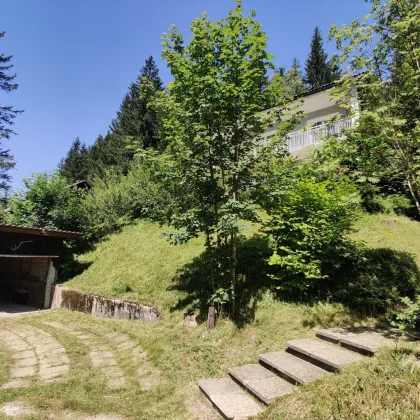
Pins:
x: 29, y: 259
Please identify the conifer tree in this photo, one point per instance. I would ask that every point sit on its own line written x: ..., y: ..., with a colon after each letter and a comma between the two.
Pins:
x: 135, y: 120
x: 319, y: 70
x: 75, y: 166
x: 7, y: 115
x: 293, y: 80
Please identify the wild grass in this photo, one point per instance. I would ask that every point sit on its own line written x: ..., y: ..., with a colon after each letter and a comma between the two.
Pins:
x: 142, y: 260
x: 139, y: 264
x: 384, y: 387
x: 370, y: 230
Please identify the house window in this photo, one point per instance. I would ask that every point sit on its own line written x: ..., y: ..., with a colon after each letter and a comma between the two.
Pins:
x: 318, y: 124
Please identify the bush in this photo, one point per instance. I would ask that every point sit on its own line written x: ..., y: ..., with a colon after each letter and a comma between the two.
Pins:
x: 48, y: 202
x: 407, y: 316
x: 308, y: 228
x: 393, y: 203
x: 119, y: 199
x: 375, y: 279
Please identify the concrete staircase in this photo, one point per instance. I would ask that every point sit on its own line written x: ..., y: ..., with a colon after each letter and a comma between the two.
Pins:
x: 250, y: 388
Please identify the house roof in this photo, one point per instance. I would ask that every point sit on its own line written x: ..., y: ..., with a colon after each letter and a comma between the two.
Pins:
x: 39, y: 231
x: 316, y: 90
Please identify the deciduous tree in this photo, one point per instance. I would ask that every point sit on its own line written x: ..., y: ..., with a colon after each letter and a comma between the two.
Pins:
x: 383, y: 50
x: 213, y: 123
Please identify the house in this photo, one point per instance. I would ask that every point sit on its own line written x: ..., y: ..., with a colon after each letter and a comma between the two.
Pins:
x: 29, y: 259
x: 318, y: 108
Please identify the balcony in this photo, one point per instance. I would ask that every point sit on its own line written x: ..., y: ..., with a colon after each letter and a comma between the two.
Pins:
x: 313, y: 136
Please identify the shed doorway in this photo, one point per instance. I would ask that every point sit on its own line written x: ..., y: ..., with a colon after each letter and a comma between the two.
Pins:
x: 27, y: 280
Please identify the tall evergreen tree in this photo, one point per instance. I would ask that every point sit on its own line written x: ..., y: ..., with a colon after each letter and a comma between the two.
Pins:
x: 319, y: 70
x: 293, y: 80
x: 7, y: 115
x: 135, y: 120
x: 75, y: 166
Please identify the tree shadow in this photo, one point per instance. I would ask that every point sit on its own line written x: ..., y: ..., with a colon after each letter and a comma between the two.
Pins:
x: 70, y: 267
x: 375, y: 279
x: 208, y: 276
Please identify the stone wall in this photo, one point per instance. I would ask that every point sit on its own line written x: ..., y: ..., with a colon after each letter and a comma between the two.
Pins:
x: 102, y: 307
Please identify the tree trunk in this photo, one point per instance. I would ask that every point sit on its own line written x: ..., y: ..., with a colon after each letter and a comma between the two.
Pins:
x: 233, y: 240
x: 413, y: 192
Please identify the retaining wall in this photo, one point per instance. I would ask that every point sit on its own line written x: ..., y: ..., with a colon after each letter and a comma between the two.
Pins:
x: 100, y: 306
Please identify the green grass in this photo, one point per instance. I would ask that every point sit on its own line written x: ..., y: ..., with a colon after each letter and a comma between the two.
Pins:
x: 384, y: 387
x: 371, y: 231
x: 139, y: 257
x: 139, y: 264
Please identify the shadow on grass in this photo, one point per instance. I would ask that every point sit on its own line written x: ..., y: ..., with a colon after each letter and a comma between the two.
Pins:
x: 70, y: 267
x: 209, y: 273
x: 367, y: 281
x: 376, y: 279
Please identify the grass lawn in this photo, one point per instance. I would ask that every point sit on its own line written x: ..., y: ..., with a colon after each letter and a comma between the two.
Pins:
x: 140, y: 257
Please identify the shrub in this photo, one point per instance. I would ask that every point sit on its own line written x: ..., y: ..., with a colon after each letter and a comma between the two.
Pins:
x: 375, y: 279
x: 121, y: 288
x: 308, y: 228
x: 119, y: 199
x: 48, y: 201
x: 408, y: 315
x: 394, y: 203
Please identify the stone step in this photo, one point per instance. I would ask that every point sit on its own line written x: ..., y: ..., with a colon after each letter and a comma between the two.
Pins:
x: 229, y: 398
x: 360, y: 340
x: 331, y: 357
x: 263, y: 383
x: 292, y: 368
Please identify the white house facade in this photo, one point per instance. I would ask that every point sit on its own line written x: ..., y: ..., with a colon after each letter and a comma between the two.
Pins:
x: 318, y: 109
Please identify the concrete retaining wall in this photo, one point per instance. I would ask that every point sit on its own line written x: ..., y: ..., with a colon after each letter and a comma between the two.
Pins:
x: 102, y: 307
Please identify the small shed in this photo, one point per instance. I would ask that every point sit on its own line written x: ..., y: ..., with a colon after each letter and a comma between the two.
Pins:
x: 29, y: 259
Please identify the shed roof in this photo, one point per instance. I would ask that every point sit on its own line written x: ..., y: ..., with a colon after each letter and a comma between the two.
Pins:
x: 39, y: 231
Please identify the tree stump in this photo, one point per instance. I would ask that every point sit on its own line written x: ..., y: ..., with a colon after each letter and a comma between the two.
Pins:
x: 211, y: 320
x: 391, y: 223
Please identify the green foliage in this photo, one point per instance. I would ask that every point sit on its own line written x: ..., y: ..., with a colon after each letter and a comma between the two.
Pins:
x: 383, y: 51
x: 212, y: 121
x: 135, y: 119
x: 118, y: 199
x: 407, y: 316
x: 308, y: 224
x: 76, y: 166
x: 319, y: 70
x: 394, y: 203
x: 136, y: 125
x: 375, y: 279
x: 293, y: 80
x: 121, y: 288
x: 47, y: 201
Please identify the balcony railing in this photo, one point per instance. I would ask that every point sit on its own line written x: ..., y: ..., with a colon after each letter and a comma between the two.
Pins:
x: 313, y: 136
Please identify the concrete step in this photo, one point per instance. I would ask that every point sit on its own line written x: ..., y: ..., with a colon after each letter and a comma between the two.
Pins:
x: 229, y: 398
x: 331, y: 357
x: 361, y: 340
x: 263, y: 383
x: 292, y: 368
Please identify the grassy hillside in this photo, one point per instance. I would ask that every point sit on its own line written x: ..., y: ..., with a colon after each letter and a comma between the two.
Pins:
x: 140, y: 264
x: 139, y: 257
x: 371, y: 231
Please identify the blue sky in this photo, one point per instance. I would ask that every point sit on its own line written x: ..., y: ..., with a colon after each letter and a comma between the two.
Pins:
x: 75, y: 59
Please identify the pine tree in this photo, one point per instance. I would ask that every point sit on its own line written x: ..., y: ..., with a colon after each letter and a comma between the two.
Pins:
x: 319, y: 70
x: 135, y: 120
x: 75, y: 166
x: 7, y: 115
x: 293, y: 80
